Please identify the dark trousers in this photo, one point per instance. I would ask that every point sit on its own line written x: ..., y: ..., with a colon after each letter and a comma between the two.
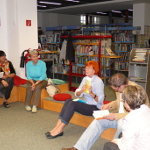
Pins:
x: 6, y: 91
x: 70, y: 107
x: 110, y: 146
x: 36, y: 92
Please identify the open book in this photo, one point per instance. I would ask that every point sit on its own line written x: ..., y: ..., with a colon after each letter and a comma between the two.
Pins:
x: 1, y: 74
x: 79, y: 100
x: 99, y: 114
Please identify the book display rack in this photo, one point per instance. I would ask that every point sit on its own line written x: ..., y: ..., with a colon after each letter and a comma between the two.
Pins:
x: 139, y: 67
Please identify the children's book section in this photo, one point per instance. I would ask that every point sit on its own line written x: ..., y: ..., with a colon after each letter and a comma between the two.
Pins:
x: 110, y: 46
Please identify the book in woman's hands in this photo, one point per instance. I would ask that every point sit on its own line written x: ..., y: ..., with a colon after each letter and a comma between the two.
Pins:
x: 78, y: 100
x: 99, y: 114
x: 1, y: 74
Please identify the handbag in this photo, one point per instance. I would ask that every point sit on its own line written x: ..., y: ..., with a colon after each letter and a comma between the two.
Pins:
x: 52, y: 89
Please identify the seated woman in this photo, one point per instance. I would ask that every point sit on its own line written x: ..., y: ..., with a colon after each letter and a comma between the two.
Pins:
x: 6, y: 80
x: 136, y: 125
x: 93, y: 95
x: 37, y: 80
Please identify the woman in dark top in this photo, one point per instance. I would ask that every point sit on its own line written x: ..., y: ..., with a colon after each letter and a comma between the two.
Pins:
x: 7, y: 72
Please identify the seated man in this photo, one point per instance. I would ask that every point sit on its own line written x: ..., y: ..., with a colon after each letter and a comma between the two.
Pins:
x: 136, y: 125
x: 117, y: 82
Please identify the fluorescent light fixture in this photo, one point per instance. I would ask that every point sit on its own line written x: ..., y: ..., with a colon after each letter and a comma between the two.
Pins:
x: 130, y: 9
x: 102, y: 13
x: 41, y: 6
x: 51, y: 3
x: 116, y: 11
x: 72, y: 1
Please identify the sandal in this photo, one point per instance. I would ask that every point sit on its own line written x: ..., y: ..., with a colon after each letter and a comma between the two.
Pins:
x: 6, y: 105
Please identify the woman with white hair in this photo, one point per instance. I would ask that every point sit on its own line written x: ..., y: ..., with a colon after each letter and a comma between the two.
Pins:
x: 37, y: 80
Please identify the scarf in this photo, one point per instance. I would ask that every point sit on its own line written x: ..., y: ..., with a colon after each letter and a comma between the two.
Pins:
x: 5, y: 67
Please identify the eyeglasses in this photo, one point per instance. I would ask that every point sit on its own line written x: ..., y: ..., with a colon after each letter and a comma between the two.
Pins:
x: 88, y: 68
x: 115, y: 88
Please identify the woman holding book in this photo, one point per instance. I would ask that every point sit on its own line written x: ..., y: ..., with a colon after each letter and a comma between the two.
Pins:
x: 92, y: 91
x: 136, y: 125
x: 6, y: 80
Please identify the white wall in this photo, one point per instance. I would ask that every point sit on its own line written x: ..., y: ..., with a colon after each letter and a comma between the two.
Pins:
x: 15, y: 36
x: 3, y: 26
x: 53, y: 19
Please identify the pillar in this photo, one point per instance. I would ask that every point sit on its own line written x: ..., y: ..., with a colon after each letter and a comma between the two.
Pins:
x: 141, y: 12
x: 16, y: 35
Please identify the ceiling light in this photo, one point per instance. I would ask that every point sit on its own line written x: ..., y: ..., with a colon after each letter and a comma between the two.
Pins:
x: 41, y: 6
x: 130, y: 9
x: 102, y: 13
x: 116, y: 11
x: 51, y: 3
x: 72, y: 1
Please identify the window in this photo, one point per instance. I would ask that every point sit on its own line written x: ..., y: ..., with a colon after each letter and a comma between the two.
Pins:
x: 83, y: 19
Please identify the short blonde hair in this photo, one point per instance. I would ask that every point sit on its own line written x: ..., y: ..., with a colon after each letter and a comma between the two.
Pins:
x: 134, y: 96
x: 33, y: 52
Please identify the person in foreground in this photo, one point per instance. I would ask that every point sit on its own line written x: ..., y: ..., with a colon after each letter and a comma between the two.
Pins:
x: 92, y: 90
x: 6, y: 80
x: 117, y: 82
x: 37, y: 80
x: 136, y: 125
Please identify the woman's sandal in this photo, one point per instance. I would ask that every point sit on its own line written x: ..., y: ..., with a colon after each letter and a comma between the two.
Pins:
x: 6, y: 105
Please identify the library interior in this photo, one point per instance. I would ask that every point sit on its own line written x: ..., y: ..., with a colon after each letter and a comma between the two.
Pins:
x: 50, y: 49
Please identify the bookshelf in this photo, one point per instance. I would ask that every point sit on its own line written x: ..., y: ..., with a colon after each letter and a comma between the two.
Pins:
x: 89, y: 48
x: 139, y: 67
x: 123, y: 43
x: 48, y: 57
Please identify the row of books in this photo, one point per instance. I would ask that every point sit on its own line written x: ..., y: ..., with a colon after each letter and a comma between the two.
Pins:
x: 124, y: 56
x: 124, y: 47
x: 50, y: 38
x: 84, y: 49
x: 78, y: 69
x: 123, y: 37
x: 84, y: 59
x: 119, y: 65
x: 64, y: 69
x: 50, y: 47
x: 141, y: 55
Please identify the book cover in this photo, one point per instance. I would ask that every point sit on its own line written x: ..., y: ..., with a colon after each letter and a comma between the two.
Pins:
x: 79, y: 100
x: 99, y: 114
x: 109, y: 51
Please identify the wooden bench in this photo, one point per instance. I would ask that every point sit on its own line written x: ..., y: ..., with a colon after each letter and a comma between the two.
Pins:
x: 14, y: 97
x: 78, y: 119
x: 18, y: 94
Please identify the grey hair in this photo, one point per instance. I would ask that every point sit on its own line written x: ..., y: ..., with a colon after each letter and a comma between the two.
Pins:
x: 33, y: 52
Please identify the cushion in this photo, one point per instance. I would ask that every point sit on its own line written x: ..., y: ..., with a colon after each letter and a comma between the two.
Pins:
x: 106, y: 102
x: 62, y: 97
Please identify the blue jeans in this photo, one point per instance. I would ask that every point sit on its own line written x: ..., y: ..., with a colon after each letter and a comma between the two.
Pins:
x: 119, y: 129
x: 92, y: 133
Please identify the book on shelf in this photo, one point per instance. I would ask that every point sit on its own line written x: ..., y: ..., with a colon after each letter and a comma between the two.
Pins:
x: 140, y: 55
x: 109, y: 51
x: 99, y: 114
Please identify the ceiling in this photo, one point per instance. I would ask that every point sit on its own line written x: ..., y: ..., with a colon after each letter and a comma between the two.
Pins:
x: 89, y: 6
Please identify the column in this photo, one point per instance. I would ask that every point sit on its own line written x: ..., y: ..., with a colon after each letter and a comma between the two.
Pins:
x: 18, y: 34
x: 141, y: 13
